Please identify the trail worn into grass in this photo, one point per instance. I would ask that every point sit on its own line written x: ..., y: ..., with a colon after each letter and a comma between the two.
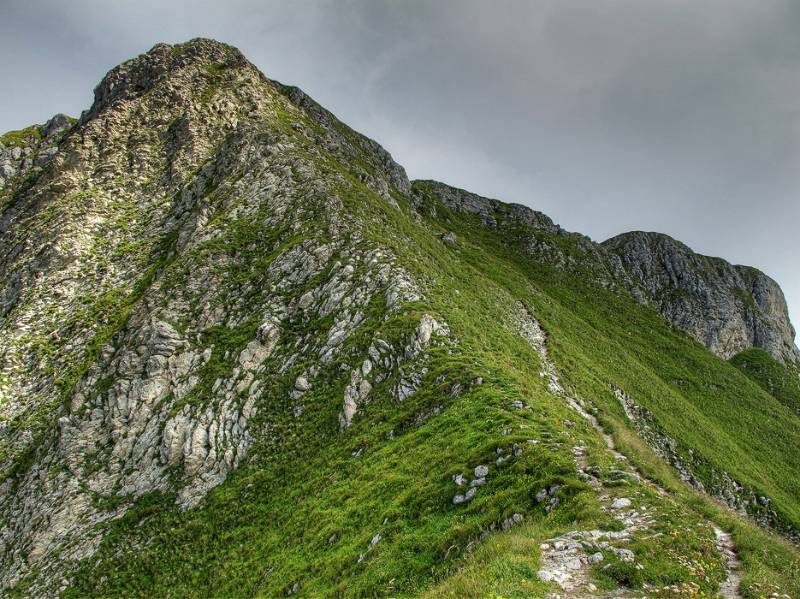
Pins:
x: 729, y: 589
x: 568, y: 559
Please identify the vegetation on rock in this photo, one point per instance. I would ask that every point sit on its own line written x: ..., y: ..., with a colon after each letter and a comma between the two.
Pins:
x: 244, y: 356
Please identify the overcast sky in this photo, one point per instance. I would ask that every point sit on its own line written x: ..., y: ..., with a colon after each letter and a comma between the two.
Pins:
x: 679, y: 116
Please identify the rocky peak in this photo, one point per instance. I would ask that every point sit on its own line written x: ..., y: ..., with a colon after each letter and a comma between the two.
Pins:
x: 728, y: 308
x: 195, y: 201
x: 189, y: 88
x: 134, y: 78
x: 58, y: 123
x: 209, y: 272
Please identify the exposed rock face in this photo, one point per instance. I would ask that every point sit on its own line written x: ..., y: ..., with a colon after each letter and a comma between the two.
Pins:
x: 27, y: 151
x: 533, y: 232
x: 492, y: 213
x: 727, y: 308
x: 385, y: 173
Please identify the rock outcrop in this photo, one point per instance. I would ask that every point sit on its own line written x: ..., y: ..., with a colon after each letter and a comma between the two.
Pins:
x: 162, y: 261
x: 727, y: 308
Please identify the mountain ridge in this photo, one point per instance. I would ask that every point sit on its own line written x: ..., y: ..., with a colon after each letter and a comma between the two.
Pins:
x: 727, y: 325
x: 232, y: 327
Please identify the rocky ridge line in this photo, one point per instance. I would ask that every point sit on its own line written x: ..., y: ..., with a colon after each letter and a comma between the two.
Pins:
x: 725, y: 307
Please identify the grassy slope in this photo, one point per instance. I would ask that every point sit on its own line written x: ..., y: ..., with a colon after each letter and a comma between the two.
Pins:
x: 599, y: 338
x: 304, y: 508
x: 307, y: 508
x: 780, y: 381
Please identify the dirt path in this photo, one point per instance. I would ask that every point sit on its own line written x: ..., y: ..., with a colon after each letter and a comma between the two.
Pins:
x: 567, y: 560
x: 729, y: 589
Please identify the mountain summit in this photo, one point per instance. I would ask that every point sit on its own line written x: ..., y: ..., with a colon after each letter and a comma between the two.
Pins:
x: 244, y: 356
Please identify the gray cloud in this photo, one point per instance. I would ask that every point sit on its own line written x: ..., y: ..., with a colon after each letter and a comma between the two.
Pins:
x: 608, y: 115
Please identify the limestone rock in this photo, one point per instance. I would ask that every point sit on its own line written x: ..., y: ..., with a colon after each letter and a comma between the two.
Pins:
x: 727, y: 308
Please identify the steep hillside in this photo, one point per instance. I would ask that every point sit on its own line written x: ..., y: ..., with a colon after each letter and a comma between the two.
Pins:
x: 692, y: 409
x: 244, y: 356
x: 782, y: 381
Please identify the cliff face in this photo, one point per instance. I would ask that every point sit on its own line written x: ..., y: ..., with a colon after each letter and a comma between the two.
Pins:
x: 232, y: 331
x: 727, y: 308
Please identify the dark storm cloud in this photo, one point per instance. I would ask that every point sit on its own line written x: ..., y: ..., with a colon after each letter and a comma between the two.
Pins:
x: 677, y: 116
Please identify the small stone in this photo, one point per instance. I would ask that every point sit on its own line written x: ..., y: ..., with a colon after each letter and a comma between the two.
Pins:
x: 465, y: 498
x: 551, y: 506
x: 546, y: 576
x: 305, y: 300
x: 459, y: 479
x: 596, y: 558
x: 478, y: 482
x: 302, y: 384
x: 366, y: 367
x: 573, y: 564
x: 626, y: 555
x: 620, y: 503
x: 481, y: 471
x: 449, y: 238
x: 541, y: 495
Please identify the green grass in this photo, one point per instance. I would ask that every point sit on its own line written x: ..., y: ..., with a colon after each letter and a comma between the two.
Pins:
x: 305, y: 505
x: 779, y: 380
x: 601, y: 338
x: 21, y: 137
x: 304, y: 509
